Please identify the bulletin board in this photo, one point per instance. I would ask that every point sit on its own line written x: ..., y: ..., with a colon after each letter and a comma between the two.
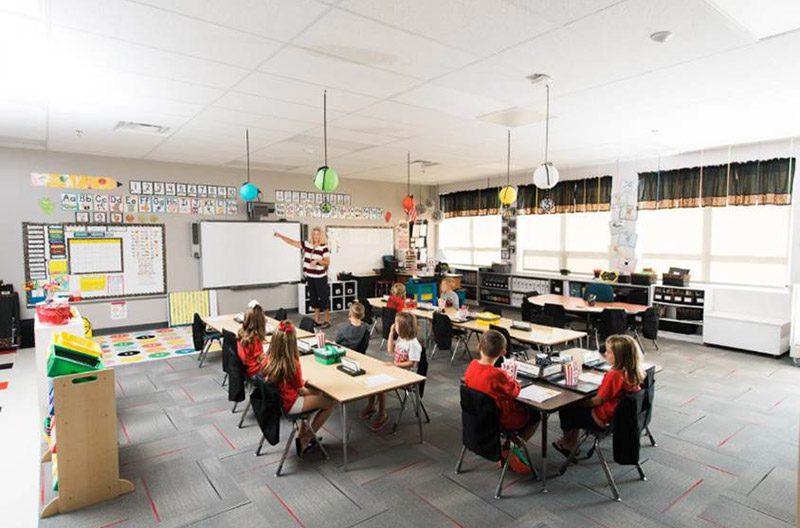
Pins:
x: 96, y: 261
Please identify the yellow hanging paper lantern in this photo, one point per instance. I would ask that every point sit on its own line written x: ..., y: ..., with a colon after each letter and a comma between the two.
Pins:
x: 508, y: 195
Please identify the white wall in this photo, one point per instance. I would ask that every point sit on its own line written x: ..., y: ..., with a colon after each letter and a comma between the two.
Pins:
x: 20, y: 204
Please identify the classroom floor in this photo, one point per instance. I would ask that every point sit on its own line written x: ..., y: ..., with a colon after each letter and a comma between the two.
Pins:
x: 726, y: 425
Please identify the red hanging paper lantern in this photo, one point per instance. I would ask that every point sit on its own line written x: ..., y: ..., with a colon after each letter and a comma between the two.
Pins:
x: 408, y: 203
x: 387, y: 216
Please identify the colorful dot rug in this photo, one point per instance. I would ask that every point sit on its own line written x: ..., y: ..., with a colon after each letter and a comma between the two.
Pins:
x: 147, y: 345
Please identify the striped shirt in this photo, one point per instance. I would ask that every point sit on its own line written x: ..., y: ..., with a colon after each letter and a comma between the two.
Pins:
x: 311, y: 256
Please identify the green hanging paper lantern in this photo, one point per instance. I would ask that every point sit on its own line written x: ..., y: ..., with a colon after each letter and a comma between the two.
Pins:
x: 326, y: 179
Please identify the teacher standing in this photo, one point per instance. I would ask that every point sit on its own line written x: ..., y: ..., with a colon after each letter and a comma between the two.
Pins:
x: 316, y: 259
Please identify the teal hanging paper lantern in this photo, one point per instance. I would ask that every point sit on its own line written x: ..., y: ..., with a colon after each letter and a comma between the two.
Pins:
x: 326, y: 179
x: 248, y: 192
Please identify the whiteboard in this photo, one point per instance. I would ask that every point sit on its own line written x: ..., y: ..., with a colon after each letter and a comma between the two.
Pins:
x: 359, y: 249
x: 248, y: 254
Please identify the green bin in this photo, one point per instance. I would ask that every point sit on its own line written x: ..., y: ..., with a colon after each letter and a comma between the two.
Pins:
x: 329, y: 354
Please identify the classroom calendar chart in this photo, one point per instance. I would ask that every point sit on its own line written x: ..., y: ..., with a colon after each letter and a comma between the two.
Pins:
x: 95, y: 261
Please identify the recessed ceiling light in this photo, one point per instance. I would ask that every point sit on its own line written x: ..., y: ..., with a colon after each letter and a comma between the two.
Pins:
x: 661, y: 36
x: 538, y: 78
x: 142, y: 128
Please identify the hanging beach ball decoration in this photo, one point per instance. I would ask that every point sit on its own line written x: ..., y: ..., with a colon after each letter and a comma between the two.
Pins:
x: 408, y: 203
x: 326, y: 179
x: 508, y: 195
x: 248, y: 192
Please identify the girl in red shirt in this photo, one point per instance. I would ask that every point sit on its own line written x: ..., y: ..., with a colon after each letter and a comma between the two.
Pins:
x: 283, y: 369
x: 250, y: 346
x: 626, y: 375
x: 397, y: 297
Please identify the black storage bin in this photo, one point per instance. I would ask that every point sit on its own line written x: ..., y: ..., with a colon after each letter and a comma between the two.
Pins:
x: 350, y: 288
x: 678, y: 328
x: 350, y: 299
x: 337, y: 304
x: 337, y: 288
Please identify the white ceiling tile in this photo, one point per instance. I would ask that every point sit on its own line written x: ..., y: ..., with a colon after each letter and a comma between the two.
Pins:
x: 248, y: 119
x: 99, y: 141
x: 372, y: 126
x: 324, y: 70
x: 186, y: 151
x: 30, y: 8
x: 452, y: 101
x: 22, y: 121
x: 273, y: 107
x: 481, y: 28
x: 374, y: 44
x: 301, y: 92
x: 159, y: 29
x: 762, y: 19
x: 22, y: 54
x: 276, y: 19
x: 410, y: 115
x: 78, y: 49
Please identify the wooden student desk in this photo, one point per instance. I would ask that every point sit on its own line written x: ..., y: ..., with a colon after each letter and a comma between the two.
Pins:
x: 579, y: 305
x: 539, y: 335
x: 340, y: 386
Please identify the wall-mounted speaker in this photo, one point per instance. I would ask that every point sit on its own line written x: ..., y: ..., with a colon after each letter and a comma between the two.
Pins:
x: 196, y: 240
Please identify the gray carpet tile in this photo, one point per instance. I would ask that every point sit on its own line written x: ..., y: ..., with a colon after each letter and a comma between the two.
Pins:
x: 726, y: 423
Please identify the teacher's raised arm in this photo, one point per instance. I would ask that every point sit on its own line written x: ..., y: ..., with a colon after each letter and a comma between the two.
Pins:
x: 316, y: 259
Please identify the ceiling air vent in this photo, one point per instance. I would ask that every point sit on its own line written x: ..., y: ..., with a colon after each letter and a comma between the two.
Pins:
x: 142, y: 128
x: 425, y: 164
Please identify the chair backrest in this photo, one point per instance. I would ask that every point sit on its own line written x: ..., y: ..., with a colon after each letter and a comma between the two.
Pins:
x: 528, y: 308
x: 650, y: 323
x: 387, y: 320
x: 649, y: 389
x: 267, y: 408
x: 363, y: 345
x: 612, y: 321
x: 307, y: 324
x: 442, y: 331
x: 388, y: 274
x: 198, y: 329
x: 627, y: 428
x: 280, y: 314
x: 422, y: 369
x: 369, y: 313
x: 237, y: 375
x: 601, y: 291
x: 542, y: 319
x: 229, y: 346
x: 557, y: 313
x: 480, y: 424
x: 503, y: 330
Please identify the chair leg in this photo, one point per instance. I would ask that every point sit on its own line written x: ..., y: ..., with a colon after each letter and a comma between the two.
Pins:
x: 650, y: 436
x: 286, y: 450
x: 244, y: 413
x: 498, y: 492
x: 260, y: 445
x: 225, y: 379
x: 655, y: 343
x: 235, y: 405
x: 434, y: 351
x: 460, y: 459
x: 638, y: 339
x: 534, y: 474
x: 322, y: 449
x: 642, y: 476
x: 424, y: 411
x: 455, y: 350
x: 203, y: 353
x: 573, y: 454
x: 606, y: 470
x: 597, y: 339
x: 403, y: 399
x: 380, y: 347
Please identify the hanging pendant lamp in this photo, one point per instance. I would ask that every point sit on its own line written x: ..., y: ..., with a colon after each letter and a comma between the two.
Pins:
x: 326, y: 179
x: 248, y: 192
x: 546, y: 175
x: 508, y: 194
x: 408, y: 202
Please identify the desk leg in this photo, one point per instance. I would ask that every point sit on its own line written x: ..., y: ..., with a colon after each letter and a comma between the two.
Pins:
x: 417, y: 409
x: 543, y: 425
x: 344, y: 434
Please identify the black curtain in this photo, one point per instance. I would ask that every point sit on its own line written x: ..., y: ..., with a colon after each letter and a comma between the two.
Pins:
x: 767, y: 182
x: 480, y: 202
x: 571, y: 196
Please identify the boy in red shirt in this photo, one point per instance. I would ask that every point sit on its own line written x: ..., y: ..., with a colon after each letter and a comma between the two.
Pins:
x: 483, y: 376
x: 397, y: 297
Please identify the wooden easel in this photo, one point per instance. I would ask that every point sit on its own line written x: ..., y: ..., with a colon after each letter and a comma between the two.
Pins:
x: 86, y: 442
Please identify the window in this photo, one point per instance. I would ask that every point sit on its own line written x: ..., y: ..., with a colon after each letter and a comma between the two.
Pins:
x: 470, y: 240
x: 734, y: 244
x: 577, y: 241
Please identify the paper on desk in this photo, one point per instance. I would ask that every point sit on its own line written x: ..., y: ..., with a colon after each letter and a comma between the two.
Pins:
x: 537, y: 394
x: 379, y: 379
x: 591, y: 377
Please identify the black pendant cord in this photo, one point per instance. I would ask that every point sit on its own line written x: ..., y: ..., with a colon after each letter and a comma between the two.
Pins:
x: 325, y: 124
x: 247, y: 142
x: 547, y: 126
x: 508, y: 161
x: 408, y: 173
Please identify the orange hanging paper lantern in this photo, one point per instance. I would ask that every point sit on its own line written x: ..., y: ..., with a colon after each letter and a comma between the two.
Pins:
x: 408, y: 203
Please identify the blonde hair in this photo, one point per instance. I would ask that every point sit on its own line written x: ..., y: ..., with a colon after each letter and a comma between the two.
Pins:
x: 356, y: 310
x: 450, y: 283
x: 253, y: 326
x: 398, y: 290
x: 406, y: 325
x: 627, y: 356
x: 323, y: 239
x: 283, y: 356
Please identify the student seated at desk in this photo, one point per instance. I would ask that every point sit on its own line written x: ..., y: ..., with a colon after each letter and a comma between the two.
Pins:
x: 250, y: 345
x: 283, y: 369
x: 626, y: 375
x: 407, y: 350
x: 397, y: 297
x: 483, y: 376
x: 351, y: 333
x: 447, y: 294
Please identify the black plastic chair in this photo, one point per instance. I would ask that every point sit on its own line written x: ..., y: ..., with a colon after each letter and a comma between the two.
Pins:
x: 528, y: 309
x: 557, y: 314
x: 626, y: 429
x: 482, y: 434
x: 648, y: 321
x: 612, y: 321
x: 306, y: 323
x: 444, y: 334
x: 369, y: 315
x: 649, y: 389
x: 364, y: 344
x: 387, y: 320
x: 515, y: 349
x: 422, y: 370
x: 203, y: 338
x: 229, y: 347
x: 280, y: 314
